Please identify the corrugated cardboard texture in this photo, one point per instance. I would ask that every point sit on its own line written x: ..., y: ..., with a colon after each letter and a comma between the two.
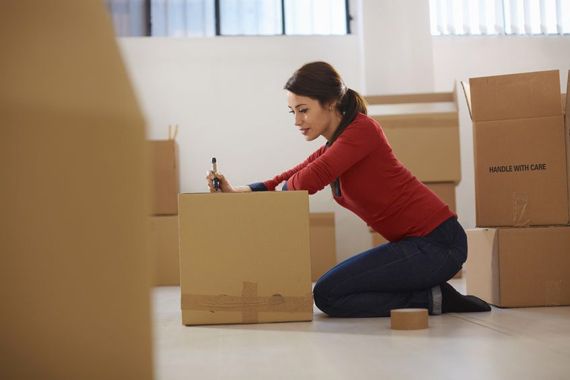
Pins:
x: 164, y: 248
x: 444, y: 190
x: 515, y: 96
x: 323, y: 243
x: 75, y: 273
x: 165, y: 177
x: 520, y: 172
x: 427, y: 144
x: 520, y: 267
x: 245, y: 257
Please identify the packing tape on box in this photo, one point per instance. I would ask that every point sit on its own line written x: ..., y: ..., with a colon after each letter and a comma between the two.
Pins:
x: 520, y: 208
x: 249, y: 303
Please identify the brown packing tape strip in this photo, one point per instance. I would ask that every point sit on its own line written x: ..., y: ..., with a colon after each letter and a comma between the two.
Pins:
x: 249, y: 303
x: 520, y: 210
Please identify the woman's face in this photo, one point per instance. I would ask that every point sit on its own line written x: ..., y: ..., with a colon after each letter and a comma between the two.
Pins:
x: 312, y: 119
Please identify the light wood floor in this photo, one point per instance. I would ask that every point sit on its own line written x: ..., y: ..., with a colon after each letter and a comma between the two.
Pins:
x: 532, y: 343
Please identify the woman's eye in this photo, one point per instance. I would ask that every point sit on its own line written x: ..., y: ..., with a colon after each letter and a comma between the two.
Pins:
x: 291, y: 111
x: 304, y: 110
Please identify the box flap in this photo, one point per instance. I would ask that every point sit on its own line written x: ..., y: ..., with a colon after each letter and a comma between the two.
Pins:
x: 467, y: 93
x: 515, y: 96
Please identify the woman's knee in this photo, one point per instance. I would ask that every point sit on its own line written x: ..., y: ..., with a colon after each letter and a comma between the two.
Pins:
x: 321, y: 295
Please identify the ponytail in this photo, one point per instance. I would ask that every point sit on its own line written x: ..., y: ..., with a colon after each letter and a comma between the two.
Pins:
x: 350, y: 105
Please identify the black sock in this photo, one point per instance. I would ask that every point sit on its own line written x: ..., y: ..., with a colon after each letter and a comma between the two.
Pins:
x: 455, y: 302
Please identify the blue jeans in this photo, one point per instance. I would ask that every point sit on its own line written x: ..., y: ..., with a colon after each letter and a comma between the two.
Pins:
x: 401, y: 274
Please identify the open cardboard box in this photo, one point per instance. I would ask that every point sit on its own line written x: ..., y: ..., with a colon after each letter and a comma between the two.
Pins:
x: 521, y: 163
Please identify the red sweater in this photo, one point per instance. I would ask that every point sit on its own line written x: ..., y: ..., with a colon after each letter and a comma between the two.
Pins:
x: 373, y: 183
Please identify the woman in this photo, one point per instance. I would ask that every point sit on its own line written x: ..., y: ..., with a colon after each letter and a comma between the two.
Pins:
x: 427, y: 244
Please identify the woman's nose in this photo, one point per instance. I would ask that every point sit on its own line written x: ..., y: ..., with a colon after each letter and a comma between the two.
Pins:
x: 298, y: 119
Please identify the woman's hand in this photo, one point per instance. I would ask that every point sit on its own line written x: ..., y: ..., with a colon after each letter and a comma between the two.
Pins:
x: 225, y: 185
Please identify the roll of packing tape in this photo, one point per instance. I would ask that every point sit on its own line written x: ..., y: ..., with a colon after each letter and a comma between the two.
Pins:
x: 409, y: 319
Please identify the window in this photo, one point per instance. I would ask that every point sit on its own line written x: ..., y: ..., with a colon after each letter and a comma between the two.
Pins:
x: 202, y: 18
x: 488, y: 17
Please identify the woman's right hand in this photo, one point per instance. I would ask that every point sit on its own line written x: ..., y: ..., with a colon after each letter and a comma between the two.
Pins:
x: 225, y: 185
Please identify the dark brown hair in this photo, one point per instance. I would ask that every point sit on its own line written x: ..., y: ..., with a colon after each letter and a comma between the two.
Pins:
x: 320, y: 81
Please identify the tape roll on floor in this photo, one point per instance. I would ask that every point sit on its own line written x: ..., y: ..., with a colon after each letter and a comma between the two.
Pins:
x: 408, y: 319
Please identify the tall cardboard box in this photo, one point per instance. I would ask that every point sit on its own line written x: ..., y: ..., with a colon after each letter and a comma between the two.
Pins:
x: 75, y: 269
x: 244, y: 257
x: 519, y: 146
x: 163, y: 233
x: 519, y: 267
x: 165, y: 172
x: 323, y: 243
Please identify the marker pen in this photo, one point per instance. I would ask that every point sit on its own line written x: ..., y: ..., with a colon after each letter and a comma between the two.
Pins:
x: 216, y: 181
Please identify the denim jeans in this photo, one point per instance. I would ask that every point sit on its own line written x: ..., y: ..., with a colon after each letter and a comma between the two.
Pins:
x: 400, y: 274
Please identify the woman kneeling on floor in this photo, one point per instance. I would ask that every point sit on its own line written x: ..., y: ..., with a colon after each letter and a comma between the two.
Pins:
x: 427, y: 244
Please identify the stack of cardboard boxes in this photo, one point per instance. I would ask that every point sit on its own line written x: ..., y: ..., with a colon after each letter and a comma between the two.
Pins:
x: 519, y: 255
x: 423, y: 131
x: 164, y: 220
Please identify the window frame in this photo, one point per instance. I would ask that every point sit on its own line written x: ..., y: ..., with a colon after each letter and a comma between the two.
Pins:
x: 218, y: 20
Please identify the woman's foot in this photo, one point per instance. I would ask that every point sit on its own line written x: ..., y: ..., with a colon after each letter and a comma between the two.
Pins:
x: 455, y: 302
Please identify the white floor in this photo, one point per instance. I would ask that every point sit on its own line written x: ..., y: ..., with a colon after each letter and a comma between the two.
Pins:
x: 532, y: 343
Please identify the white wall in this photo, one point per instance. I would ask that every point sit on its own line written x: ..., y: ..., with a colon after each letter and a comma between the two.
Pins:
x: 459, y: 58
x: 396, y: 44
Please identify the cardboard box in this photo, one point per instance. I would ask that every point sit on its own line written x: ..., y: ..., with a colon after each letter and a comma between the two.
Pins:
x: 165, y: 176
x: 75, y: 273
x: 244, y: 257
x: 163, y: 231
x: 566, y: 102
x: 521, y: 174
x: 518, y: 267
x: 445, y: 191
x: 323, y: 243
x: 424, y: 137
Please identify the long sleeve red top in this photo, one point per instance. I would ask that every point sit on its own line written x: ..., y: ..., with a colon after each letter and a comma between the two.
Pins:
x: 373, y: 183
